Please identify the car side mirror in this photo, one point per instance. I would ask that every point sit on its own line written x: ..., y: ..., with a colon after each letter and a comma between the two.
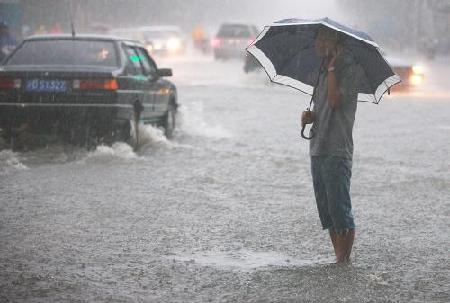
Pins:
x: 165, y: 72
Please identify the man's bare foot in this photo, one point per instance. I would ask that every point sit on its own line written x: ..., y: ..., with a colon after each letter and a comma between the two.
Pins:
x: 342, y: 244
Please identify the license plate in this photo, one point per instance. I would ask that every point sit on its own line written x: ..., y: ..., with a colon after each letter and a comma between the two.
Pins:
x: 48, y: 86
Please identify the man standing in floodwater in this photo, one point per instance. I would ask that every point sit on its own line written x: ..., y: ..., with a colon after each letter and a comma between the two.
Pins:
x: 331, y: 147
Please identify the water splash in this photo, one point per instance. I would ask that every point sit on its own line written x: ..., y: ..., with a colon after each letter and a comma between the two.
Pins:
x: 192, y: 122
x: 10, y: 159
x: 150, y: 136
x: 103, y: 153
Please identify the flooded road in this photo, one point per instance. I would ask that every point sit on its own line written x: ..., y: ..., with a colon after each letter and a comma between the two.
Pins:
x: 225, y: 212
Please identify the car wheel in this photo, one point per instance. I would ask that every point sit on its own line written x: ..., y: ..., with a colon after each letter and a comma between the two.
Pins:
x: 169, y: 121
x: 134, y: 125
x: 127, y: 132
x: 133, y: 140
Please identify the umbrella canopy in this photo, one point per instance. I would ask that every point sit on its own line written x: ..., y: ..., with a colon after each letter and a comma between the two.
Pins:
x: 286, y: 50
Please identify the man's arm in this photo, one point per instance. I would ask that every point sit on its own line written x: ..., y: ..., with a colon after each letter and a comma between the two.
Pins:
x: 334, y: 96
x: 342, y: 82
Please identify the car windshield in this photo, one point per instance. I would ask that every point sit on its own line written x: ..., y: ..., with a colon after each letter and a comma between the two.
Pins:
x: 234, y: 31
x: 66, y: 52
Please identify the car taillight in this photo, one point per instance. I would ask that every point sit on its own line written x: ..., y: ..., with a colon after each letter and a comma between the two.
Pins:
x: 109, y: 84
x: 215, y: 43
x: 7, y: 82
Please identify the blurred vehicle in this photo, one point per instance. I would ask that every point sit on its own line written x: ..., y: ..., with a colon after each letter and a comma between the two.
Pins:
x: 84, y: 89
x: 412, y: 75
x: 200, y: 39
x: 232, y: 39
x: 40, y: 30
x: 163, y: 40
x: 56, y: 29
x: 127, y: 33
x: 158, y: 40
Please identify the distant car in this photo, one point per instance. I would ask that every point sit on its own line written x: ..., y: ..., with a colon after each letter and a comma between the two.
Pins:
x: 127, y: 33
x: 84, y: 88
x: 158, y: 40
x: 232, y: 39
x: 412, y: 75
x: 163, y: 40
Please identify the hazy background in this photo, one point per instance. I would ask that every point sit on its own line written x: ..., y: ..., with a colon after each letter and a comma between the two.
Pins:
x: 397, y: 24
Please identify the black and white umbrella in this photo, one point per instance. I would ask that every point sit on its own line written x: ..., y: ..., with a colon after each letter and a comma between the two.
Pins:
x: 286, y: 51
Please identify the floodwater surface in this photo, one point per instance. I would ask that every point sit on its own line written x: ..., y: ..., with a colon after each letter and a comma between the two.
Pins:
x: 225, y: 212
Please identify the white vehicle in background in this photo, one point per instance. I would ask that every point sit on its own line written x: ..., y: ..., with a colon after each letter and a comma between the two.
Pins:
x: 162, y: 40
x: 129, y: 33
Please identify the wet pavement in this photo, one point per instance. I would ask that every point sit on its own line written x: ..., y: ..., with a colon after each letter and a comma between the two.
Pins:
x: 225, y: 212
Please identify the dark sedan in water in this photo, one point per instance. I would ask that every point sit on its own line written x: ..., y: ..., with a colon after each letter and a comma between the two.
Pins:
x: 85, y: 89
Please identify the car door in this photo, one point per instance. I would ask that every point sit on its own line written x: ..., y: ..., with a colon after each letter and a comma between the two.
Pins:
x: 158, y: 89
x: 136, y: 83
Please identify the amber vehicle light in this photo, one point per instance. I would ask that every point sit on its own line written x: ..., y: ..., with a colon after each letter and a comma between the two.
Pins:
x: 109, y: 84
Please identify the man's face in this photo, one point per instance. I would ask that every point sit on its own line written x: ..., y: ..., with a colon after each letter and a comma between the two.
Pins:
x: 323, y: 46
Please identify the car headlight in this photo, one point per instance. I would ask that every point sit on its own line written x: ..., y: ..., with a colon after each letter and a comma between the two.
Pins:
x: 417, y: 70
x: 415, y: 79
x: 173, y: 44
x: 157, y: 45
x: 416, y: 76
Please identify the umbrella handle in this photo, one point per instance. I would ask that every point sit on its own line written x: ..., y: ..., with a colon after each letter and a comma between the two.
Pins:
x: 303, y: 133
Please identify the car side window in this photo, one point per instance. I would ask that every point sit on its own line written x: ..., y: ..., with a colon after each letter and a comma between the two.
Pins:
x: 133, y: 65
x: 148, y: 64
